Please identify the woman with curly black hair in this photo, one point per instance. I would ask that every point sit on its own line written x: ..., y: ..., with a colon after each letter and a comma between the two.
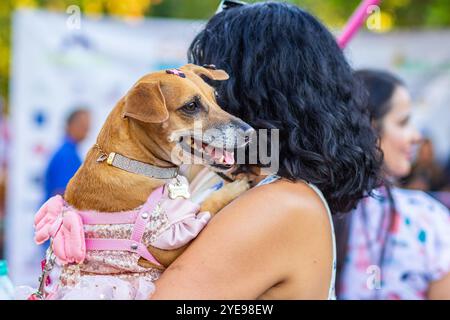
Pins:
x: 396, y: 244
x: 276, y: 240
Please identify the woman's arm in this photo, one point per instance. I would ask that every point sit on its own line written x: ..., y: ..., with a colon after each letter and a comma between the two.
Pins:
x: 258, y: 241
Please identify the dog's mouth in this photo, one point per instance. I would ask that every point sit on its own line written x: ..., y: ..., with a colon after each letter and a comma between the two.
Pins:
x: 210, y: 154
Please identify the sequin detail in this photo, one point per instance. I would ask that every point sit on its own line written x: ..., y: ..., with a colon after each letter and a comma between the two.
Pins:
x: 122, y: 264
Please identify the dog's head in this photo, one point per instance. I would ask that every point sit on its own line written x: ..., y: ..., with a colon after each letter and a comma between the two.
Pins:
x: 178, y: 111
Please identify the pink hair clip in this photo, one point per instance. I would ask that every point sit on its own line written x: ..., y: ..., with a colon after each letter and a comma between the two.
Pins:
x: 176, y: 72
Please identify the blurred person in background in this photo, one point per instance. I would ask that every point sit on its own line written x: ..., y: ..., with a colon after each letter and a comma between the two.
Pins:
x: 447, y: 176
x: 426, y: 173
x: 66, y: 160
x: 396, y: 243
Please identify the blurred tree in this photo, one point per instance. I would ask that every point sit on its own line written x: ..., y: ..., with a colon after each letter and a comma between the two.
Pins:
x: 127, y: 9
x: 334, y: 13
x: 404, y: 13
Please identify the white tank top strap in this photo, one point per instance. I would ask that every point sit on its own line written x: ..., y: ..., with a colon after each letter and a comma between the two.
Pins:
x: 269, y: 179
x: 273, y: 178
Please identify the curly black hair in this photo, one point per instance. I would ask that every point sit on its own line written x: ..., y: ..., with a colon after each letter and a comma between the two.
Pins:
x: 287, y: 72
x: 381, y: 87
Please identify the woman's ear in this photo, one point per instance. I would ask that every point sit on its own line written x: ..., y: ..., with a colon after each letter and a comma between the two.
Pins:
x: 146, y: 102
x: 210, y: 72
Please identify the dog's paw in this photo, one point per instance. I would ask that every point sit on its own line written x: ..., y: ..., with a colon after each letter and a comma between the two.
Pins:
x: 224, y: 196
x: 238, y: 187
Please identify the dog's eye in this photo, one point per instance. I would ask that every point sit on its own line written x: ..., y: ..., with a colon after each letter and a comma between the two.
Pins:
x: 191, y: 108
x: 216, y: 95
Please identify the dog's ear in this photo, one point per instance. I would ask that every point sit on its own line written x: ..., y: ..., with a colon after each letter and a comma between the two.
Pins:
x: 146, y: 102
x: 210, y: 72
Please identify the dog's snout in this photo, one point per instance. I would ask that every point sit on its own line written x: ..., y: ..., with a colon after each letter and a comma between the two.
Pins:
x: 248, y: 133
x: 244, y: 131
x: 241, y: 125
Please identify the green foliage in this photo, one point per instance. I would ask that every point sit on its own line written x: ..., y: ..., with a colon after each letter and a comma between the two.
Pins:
x: 406, y: 13
x: 334, y: 13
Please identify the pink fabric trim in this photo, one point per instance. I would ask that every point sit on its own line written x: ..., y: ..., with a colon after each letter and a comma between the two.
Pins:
x: 139, y: 227
x: 185, y: 224
x: 94, y: 217
x: 136, y: 236
x: 183, y: 232
x: 68, y: 243
x: 65, y: 226
x: 121, y: 245
x: 46, y: 221
x: 149, y: 206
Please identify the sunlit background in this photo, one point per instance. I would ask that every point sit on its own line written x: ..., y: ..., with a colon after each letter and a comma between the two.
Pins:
x: 405, y: 14
x: 46, y: 70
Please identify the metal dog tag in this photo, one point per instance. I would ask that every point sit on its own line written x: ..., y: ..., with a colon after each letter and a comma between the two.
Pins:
x: 179, y: 187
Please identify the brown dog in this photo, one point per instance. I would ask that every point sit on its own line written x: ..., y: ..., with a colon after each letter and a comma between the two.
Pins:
x: 156, y: 115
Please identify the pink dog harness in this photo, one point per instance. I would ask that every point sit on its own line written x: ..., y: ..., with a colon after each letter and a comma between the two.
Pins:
x: 140, y: 219
x: 69, y: 243
x: 160, y: 222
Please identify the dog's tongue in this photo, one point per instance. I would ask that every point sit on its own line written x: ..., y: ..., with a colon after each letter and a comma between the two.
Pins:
x: 229, y: 157
x: 217, y: 154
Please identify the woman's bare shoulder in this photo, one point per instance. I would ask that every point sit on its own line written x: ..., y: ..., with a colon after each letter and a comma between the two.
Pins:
x: 285, y: 198
x: 255, y: 243
x: 288, y: 214
x: 295, y: 221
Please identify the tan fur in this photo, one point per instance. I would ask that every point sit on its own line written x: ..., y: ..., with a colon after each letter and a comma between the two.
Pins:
x: 140, y: 127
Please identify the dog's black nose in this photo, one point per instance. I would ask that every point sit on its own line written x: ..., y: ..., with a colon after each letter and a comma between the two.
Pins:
x: 248, y: 130
x: 247, y: 133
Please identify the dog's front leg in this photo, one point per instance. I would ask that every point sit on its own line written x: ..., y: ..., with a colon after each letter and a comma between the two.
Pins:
x: 220, y: 198
x: 214, y: 203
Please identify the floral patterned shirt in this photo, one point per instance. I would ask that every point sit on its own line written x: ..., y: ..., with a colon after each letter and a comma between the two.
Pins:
x: 417, y: 248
